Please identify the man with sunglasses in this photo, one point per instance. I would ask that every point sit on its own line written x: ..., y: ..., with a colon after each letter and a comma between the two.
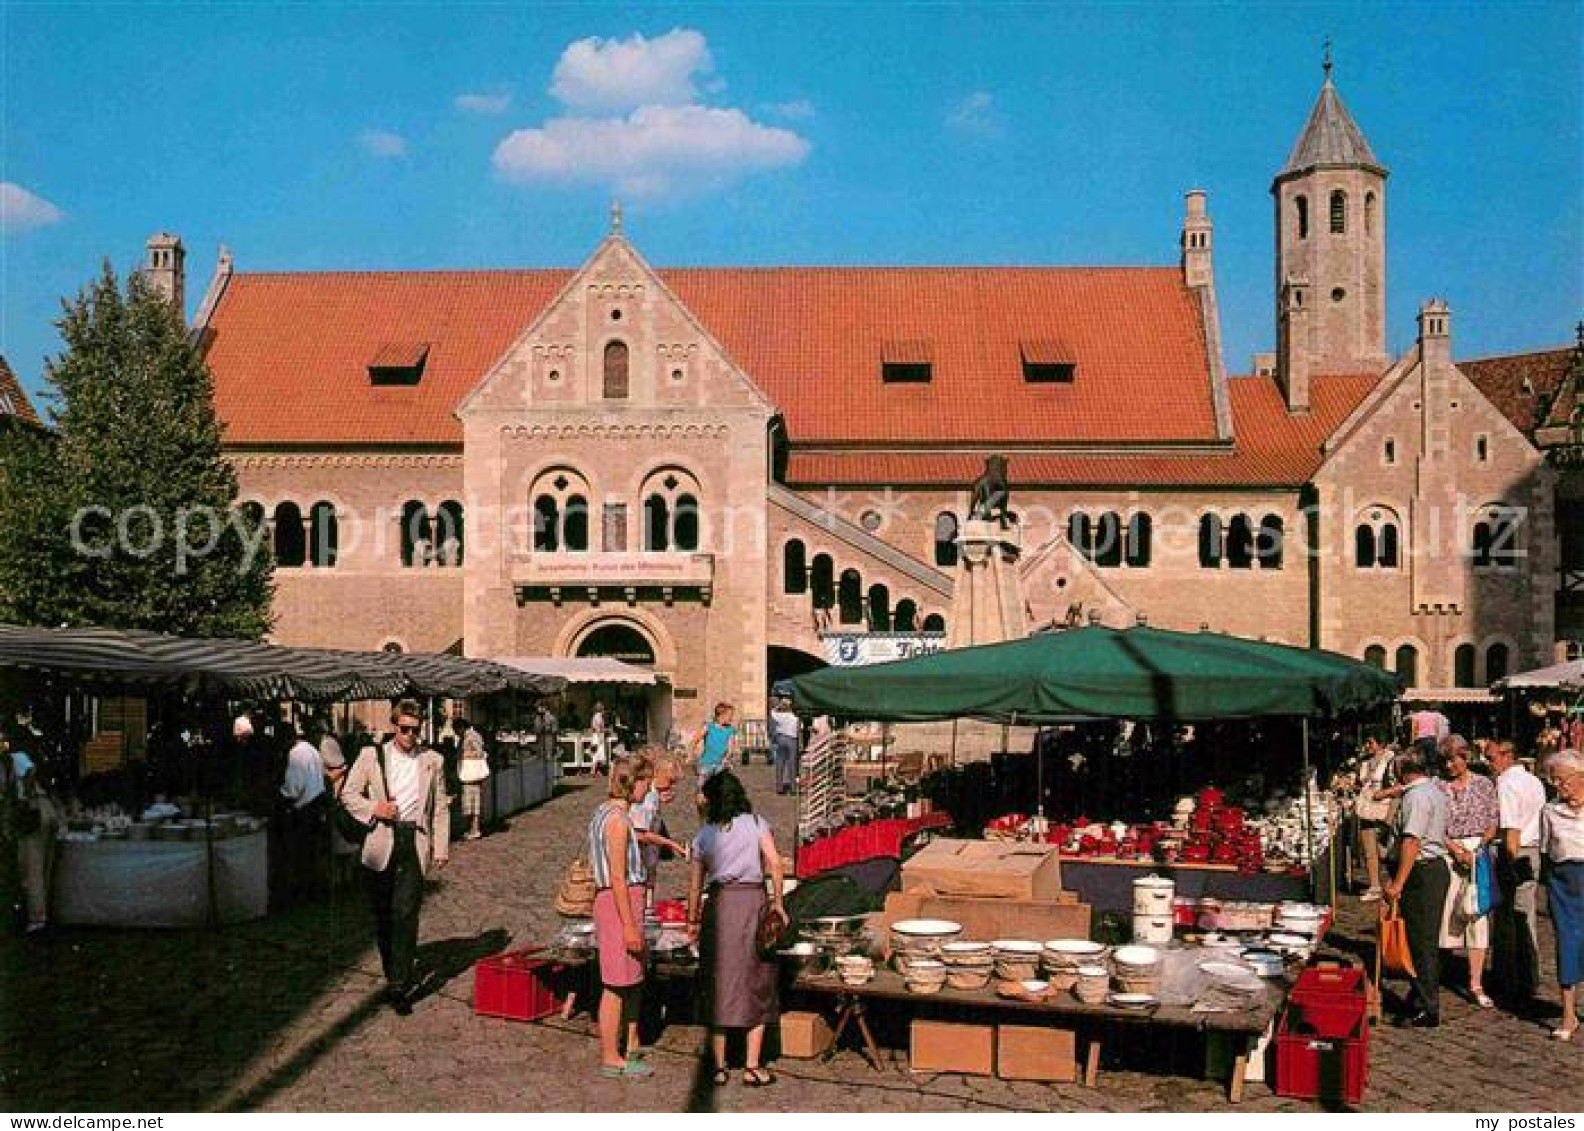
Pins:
x: 399, y: 792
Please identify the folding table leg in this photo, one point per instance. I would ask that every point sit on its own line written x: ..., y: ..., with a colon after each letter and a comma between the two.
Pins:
x: 1092, y: 1062
x: 1239, y: 1072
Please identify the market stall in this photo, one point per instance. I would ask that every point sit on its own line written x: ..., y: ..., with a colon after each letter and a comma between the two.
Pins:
x: 1095, y: 673
x: 185, y: 863
x: 638, y: 703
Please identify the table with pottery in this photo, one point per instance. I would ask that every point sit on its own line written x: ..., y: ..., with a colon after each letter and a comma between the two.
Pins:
x: 1227, y: 982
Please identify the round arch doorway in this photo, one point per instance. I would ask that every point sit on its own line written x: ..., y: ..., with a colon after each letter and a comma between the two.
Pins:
x: 617, y: 640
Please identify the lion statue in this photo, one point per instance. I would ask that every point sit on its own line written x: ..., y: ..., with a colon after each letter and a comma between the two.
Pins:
x: 991, y: 492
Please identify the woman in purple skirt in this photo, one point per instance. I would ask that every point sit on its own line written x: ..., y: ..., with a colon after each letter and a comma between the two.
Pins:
x: 732, y: 854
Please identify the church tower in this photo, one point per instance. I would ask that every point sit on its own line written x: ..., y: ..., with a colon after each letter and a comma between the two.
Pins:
x: 1330, y: 202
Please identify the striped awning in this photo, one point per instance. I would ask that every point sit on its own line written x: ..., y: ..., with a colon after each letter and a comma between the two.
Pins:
x: 254, y: 669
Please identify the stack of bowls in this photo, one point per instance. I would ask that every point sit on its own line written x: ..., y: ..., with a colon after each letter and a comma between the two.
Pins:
x: 836, y: 934
x: 855, y: 969
x: 1016, y: 960
x: 1093, y: 984
x: 1299, y: 918
x: 1136, y: 969
x: 925, y: 976
x: 968, y: 964
x: 1062, y: 957
x: 915, y: 939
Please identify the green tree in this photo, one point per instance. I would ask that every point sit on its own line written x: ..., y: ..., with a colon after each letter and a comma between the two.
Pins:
x: 127, y: 516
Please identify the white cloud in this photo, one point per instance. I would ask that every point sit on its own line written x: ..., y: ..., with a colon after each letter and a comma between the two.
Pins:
x: 976, y: 114
x: 799, y: 110
x: 485, y: 102
x: 383, y: 143
x: 654, y: 151
x: 613, y: 76
x: 21, y: 211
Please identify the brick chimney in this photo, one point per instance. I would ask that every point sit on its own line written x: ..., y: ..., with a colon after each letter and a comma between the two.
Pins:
x: 1292, y: 344
x: 167, y: 269
x: 1435, y: 331
x: 1196, y: 232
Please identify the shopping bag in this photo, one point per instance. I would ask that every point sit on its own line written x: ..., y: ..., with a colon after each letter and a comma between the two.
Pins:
x: 1393, y: 944
x: 1489, y: 890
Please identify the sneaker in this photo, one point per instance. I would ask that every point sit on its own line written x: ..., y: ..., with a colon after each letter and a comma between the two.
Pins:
x: 1371, y: 896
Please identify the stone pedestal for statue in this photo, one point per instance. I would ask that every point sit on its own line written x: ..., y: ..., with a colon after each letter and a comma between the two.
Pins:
x: 987, y: 603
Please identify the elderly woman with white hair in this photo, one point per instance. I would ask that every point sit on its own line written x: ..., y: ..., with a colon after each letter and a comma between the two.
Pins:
x: 1562, y: 846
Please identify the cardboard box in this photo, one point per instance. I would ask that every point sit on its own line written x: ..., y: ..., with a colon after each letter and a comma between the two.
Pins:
x: 945, y: 1046
x: 1036, y: 1052
x: 989, y: 919
x: 984, y: 869
x: 804, y: 1036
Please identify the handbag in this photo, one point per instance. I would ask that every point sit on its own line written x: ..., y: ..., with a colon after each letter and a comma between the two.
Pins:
x: 348, y: 827
x: 575, y: 899
x: 1393, y: 944
x: 775, y: 931
x: 471, y: 771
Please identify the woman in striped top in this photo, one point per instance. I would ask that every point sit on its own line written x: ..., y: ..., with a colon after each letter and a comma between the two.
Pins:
x: 616, y: 860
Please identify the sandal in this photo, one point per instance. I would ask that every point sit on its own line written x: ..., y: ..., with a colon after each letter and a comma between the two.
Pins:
x: 1564, y: 1034
x: 758, y: 1077
x: 721, y: 1078
x: 1482, y: 999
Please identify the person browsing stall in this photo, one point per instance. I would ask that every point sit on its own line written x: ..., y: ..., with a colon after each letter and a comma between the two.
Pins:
x: 616, y: 859
x: 1515, y: 940
x: 1419, y: 882
x: 1472, y: 814
x: 399, y: 791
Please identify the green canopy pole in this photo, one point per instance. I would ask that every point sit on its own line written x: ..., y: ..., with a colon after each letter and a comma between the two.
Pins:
x: 1308, y: 808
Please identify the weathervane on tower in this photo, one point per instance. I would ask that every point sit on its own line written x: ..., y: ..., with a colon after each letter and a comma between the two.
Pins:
x: 616, y: 217
x: 1326, y: 66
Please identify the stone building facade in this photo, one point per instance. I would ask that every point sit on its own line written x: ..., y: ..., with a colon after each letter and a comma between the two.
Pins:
x: 715, y: 472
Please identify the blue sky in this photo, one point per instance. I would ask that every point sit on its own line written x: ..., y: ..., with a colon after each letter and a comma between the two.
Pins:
x: 424, y: 136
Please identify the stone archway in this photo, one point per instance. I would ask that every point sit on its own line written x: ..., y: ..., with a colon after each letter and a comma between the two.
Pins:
x: 578, y: 629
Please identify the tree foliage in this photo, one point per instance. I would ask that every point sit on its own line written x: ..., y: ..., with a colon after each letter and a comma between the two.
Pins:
x: 126, y: 516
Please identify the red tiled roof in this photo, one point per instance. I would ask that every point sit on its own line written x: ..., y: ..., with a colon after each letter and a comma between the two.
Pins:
x: 290, y: 351
x: 13, y: 398
x: 1501, y: 379
x: 1272, y: 449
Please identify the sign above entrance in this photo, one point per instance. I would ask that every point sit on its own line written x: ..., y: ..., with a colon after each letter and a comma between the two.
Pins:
x: 859, y: 649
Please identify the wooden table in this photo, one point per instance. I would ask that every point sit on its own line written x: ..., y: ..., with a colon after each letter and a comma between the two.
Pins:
x: 1243, y: 1027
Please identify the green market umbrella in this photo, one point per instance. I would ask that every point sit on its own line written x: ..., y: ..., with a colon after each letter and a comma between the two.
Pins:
x: 1131, y: 673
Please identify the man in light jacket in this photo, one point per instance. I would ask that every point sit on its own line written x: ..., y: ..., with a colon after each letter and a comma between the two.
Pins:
x: 404, y: 803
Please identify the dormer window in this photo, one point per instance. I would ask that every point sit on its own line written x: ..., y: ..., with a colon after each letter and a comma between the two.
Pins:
x: 909, y: 362
x: 1047, y: 362
x: 398, y: 363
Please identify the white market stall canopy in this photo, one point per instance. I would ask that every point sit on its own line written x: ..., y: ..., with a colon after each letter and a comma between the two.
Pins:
x: 585, y: 669
x: 1570, y: 674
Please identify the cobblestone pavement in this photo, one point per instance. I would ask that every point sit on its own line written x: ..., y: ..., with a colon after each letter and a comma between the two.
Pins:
x: 281, y: 1015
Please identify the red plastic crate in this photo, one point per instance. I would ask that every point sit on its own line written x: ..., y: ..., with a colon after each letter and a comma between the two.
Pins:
x: 1322, y: 1068
x: 518, y: 985
x: 1325, y: 981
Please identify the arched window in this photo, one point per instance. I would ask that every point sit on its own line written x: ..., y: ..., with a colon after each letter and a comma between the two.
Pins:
x: 1269, y: 545
x: 1369, y: 214
x: 561, y: 512
x: 1375, y: 540
x: 323, y: 534
x: 1375, y: 655
x: 1364, y: 546
x: 1338, y: 212
x: 1408, y: 665
x: 289, y: 545
x: 1108, y: 540
x: 1496, y: 540
x: 849, y: 598
x: 616, y: 371
x: 449, y: 539
x: 906, y: 618
x: 671, y: 511
x: 934, y: 623
x: 879, y: 608
x: 1240, y: 542
x: 1301, y: 206
x: 1211, y: 541
x: 417, y: 537
x: 946, y: 540
x: 1080, y: 534
x: 1139, y: 530
x: 1463, y: 666
x: 822, y: 580
x: 1495, y: 663
x: 794, y: 567
x: 547, y: 525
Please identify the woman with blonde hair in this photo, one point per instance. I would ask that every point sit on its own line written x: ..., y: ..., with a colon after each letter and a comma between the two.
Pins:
x: 1562, y: 846
x: 616, y: 859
